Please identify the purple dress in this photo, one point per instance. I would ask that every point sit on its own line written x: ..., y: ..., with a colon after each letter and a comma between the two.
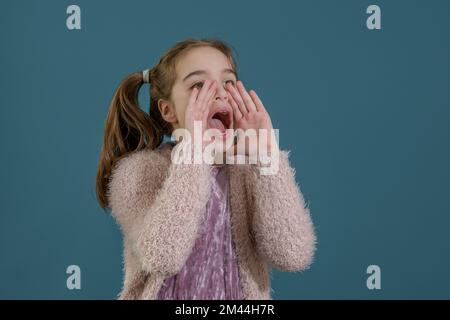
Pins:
x: 211, y: 271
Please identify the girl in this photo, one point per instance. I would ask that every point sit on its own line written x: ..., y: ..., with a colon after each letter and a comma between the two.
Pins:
x: 197, y: 231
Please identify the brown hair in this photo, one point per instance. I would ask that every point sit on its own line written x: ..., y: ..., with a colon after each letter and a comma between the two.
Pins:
x: 128, y: 128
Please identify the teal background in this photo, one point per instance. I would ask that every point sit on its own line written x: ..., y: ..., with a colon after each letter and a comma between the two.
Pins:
x: 365, y: 113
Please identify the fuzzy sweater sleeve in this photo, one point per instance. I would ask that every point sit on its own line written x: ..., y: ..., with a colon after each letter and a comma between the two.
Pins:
x: 281, y: 223
x: 158, y: 205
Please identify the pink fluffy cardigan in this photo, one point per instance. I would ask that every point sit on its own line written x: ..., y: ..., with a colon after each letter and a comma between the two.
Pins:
x: 158, y: 206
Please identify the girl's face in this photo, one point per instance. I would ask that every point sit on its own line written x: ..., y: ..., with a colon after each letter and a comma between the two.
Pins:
x: 192, y: 69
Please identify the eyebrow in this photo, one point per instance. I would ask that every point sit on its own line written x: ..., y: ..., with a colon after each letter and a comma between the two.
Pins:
x: 199, y: 72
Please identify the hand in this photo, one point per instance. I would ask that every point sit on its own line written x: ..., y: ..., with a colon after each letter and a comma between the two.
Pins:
x: 198, y: 106
x: 190, y: 151
x: 250, y: 113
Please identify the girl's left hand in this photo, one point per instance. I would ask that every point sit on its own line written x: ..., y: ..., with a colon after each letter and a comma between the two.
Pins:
x: 250, y: 113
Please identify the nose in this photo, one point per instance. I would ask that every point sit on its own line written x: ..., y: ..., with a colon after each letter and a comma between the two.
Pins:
x: 221, y: 93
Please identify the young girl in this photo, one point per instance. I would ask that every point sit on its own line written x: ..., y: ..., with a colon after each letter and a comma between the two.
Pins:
x: 197, y: 231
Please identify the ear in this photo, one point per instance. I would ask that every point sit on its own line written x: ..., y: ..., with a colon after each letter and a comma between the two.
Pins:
x: 166, y: 110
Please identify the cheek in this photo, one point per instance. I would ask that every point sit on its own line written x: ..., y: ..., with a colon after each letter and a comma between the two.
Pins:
x: 179, y: 100
x: 181, y: 116
x: 180, y: 110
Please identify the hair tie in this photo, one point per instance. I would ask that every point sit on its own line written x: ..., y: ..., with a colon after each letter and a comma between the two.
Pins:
x: 145, y: 75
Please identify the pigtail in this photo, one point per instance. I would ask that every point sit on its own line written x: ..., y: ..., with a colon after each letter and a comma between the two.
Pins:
x: 127, y: 128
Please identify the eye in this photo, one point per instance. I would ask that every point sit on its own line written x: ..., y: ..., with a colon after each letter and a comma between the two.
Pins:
x: 199, y: 85
x: 230, y: 81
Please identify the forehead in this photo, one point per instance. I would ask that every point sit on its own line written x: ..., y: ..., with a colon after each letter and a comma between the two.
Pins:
x: 202, y: 58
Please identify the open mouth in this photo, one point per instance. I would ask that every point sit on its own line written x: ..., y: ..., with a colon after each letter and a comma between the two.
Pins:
x: 220, y: 120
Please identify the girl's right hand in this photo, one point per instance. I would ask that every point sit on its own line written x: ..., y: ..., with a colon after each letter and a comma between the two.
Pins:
x: 198, y: 107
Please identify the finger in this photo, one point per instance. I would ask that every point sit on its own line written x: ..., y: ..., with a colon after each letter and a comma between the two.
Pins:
x: 203, y: 91
x: 236, y: 112
x: 193, y: 97
x: 209, y: 95
x: 246, y: 97
x: 238, y: 99
x: 258, y: 103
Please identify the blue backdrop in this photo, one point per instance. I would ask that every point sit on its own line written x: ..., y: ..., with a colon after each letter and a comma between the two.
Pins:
x: 365, y: 113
